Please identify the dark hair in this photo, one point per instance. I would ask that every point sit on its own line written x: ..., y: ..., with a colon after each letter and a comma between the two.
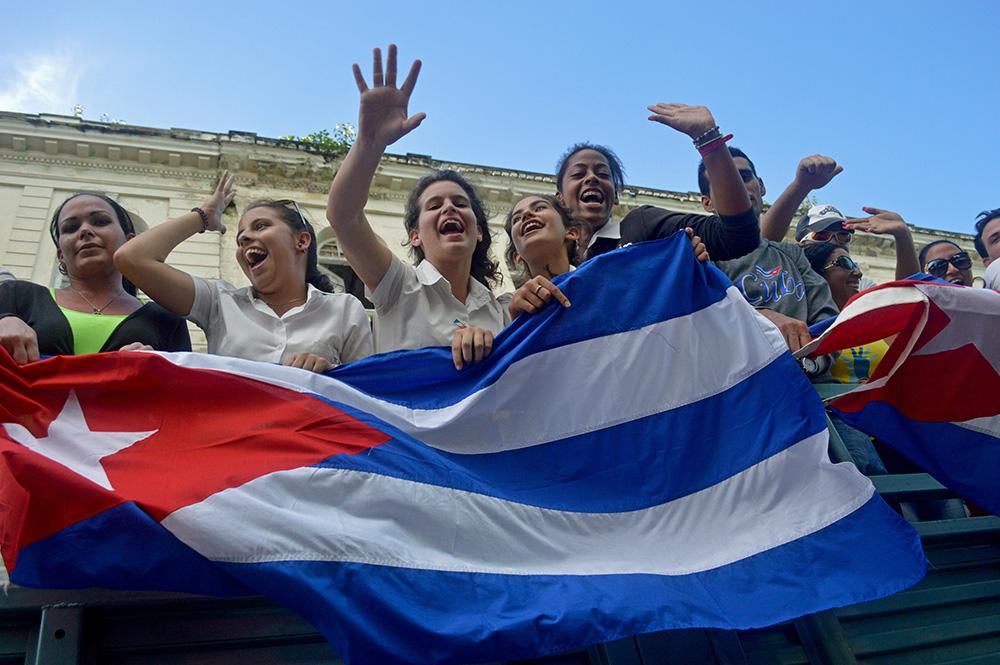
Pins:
x: 289, y: 212
x: 818, y: 253
x: 922, y: 256
x: 572, y: 250
x: 703, y: 185
x: 485, y: 269
x: 982, y: 219
x: 614, y: 163
x: 124, y: 221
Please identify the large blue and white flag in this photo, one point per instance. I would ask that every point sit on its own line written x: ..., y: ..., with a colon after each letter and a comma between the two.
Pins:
x: 650, y: 458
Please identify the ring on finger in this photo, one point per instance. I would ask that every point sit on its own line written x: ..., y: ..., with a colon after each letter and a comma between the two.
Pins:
x: 537, y: 289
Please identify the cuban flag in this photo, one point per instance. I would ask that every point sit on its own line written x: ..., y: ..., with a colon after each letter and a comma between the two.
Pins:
x: 935, y: 397
x: 649, y: 458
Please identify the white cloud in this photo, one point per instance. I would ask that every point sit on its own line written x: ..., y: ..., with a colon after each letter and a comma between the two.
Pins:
x: 42, y: 84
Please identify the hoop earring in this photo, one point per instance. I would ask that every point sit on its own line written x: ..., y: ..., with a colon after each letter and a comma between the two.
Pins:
x: 62, y: 269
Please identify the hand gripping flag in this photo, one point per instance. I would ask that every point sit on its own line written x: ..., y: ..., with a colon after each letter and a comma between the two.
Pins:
x: 936, y: 396
x: 650, y: 458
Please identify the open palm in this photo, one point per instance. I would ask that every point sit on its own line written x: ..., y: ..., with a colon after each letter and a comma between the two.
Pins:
x: 383, y: 118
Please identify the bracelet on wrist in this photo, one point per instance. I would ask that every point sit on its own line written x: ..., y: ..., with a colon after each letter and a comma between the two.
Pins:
x: 711, y: 146
x: 204, y: 219
x: 714, y: 131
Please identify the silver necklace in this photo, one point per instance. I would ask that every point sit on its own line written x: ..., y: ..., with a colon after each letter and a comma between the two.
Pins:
x: 97, y: 310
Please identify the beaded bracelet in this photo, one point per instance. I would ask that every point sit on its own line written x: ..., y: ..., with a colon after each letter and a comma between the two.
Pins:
x: 714, y: 131
x: 204, y: 219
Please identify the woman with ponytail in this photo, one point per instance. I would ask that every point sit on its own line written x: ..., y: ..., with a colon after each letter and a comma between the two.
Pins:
x: 286, y: 315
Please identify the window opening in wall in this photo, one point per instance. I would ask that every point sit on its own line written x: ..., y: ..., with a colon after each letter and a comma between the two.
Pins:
x: 334, y: 265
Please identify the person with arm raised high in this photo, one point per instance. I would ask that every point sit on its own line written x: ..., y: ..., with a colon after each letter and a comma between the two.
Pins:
x: 287, y: 315
x: 812, y: 173
x: 590, y: 178
x: 445, y: 298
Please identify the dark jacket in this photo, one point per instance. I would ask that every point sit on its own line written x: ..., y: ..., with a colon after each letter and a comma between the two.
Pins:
x: 726, y: 237
x: 33, y: 304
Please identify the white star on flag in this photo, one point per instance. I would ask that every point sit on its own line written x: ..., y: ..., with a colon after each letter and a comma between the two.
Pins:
x: 73, y: 444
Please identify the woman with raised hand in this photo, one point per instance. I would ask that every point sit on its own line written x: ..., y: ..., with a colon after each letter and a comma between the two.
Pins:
x: 98, y: 310
x: 590, y: 177
x: 287, y: 315
x: 545, y: 240
x: 445, y: 298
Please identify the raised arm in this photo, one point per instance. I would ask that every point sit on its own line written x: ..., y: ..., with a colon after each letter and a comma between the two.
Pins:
x: 886, y: 222
x: 143, y: 258
x: 812, y: 173
x: 382, y: 120
x: 729, y: 194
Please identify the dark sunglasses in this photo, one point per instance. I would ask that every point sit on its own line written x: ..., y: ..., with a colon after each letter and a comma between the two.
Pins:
x: 938, y: 267
x: 843, y: 261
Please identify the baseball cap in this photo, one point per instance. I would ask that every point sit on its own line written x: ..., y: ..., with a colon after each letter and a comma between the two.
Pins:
x: 819, y: 218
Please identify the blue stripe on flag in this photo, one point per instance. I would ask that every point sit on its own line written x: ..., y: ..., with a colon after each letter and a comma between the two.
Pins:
x: 962, y: 459
x: 683, y: 286
x: 121, y: 548
x: 868, y: 554
x: 762, y: 415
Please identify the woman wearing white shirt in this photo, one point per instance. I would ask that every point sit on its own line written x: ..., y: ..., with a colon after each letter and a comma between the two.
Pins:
x: 285, y: 316
x: 446, y: 297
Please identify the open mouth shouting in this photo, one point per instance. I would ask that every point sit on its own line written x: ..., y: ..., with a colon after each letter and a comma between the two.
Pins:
x: 255, y: 257
x: 592, y: 197
x: 530, y: 226
x: 451, y: 227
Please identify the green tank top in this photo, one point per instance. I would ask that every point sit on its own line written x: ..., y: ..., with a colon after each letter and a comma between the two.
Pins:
x: 90, y: 331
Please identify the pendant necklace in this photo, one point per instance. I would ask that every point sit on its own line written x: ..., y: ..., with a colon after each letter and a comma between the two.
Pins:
x: 97, y: 310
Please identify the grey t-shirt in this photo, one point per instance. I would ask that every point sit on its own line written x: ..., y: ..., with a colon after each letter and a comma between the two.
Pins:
x: 778, y: 276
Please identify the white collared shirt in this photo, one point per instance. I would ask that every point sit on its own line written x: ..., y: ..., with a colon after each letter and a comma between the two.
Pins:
x: 236, y: 323
x: 612, y: 229
x: 414, y: 307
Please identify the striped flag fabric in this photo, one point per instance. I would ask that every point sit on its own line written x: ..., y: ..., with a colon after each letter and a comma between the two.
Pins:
x: 650, y: 458
x: 935, y: 397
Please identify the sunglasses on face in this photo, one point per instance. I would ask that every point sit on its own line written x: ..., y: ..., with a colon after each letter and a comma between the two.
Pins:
x: 843, y: 237
x: 843, y: 261
x: 939, y: 267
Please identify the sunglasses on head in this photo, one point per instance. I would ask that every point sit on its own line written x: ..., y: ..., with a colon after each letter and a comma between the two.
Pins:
x: 293, y: 204
x: 843, y: 237
x: 843, y: 261
x: 939, y: 267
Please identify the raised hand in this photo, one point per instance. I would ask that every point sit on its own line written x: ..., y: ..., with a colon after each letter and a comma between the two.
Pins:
x: 217, y: 203
x: 816, y: 171
x: 882, y: 222
x: 691, y: 120
x: 383, y: 118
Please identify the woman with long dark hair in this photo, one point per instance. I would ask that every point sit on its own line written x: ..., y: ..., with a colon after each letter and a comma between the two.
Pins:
x: 286, y: 315
x: 98, y: 309
x: 445, y: 298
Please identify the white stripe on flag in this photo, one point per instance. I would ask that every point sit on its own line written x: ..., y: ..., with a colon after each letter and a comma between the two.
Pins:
x: 988, y: 425
x: 670, y: 364
x: 324, y: 514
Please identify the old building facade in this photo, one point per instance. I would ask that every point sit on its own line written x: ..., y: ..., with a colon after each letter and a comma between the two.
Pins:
x: 161, y: 173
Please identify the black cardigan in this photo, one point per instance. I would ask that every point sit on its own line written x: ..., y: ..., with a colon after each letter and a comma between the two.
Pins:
x: 33, y: 304
x: 728, y: 237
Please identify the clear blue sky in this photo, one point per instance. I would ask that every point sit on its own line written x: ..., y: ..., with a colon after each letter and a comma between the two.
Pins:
x: 904, y: 94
